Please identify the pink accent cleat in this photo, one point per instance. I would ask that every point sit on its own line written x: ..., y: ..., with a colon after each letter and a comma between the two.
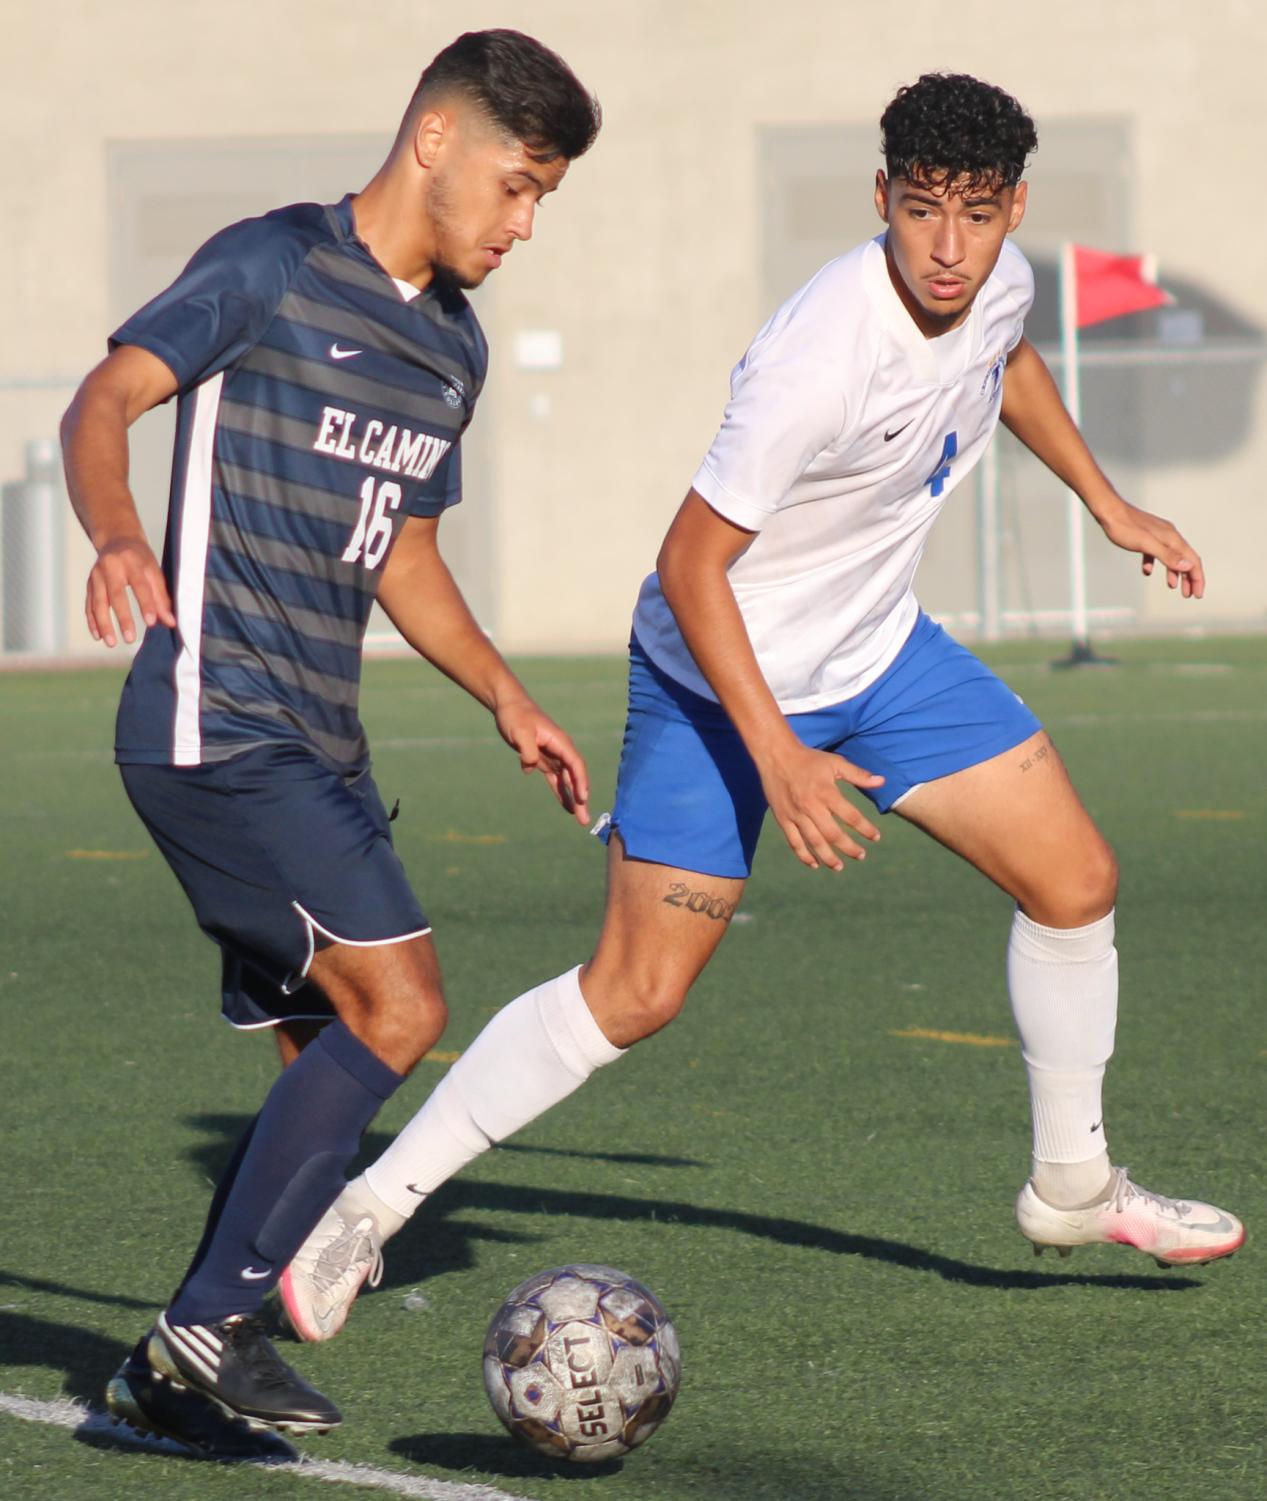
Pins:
x: 1174, y: 1232
x: 320, y: 1285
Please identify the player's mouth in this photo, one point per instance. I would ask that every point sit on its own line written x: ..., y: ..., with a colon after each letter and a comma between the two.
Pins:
x: 496, y: 254
x: 946, y: 288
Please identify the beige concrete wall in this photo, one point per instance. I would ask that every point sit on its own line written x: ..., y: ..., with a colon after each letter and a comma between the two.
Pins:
x: 647, y: 260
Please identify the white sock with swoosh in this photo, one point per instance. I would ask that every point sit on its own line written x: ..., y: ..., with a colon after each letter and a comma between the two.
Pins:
x: 1063, y: 984
x: 535, y: 1052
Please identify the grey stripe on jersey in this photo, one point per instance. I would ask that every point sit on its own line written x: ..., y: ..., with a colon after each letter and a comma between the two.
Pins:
x: 275, y: 554
x: 339, y: 693
x: 318, y: 625
x: 342, y: 385
x: 329, y: 261
x: 258, y: 422
x: 287, y: 494
x: 357, y: 329
x: 355, y: 273
x: 340, y: 750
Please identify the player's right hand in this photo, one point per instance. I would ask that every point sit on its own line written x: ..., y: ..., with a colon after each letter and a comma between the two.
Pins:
x: 123, y: 565
x: 801, y: 786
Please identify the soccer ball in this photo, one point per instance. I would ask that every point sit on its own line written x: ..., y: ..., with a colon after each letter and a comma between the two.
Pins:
x: 581, y: 1363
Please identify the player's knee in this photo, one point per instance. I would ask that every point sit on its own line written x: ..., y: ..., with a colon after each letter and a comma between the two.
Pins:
x: 417, y: 1021
x: 644, y: 1005
x: 1085, y: 892
x: 1096, y: 888
x: 403, y: 1032
x: 1108, y: 878
x: 399, y: 1023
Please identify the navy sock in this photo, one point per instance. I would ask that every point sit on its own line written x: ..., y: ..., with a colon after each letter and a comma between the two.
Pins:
x: 218, y: 1200
x: 290, y: 1173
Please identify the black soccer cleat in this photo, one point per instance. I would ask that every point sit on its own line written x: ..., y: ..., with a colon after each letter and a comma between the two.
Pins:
x: 149, y: 1402
x: 233, y: 1364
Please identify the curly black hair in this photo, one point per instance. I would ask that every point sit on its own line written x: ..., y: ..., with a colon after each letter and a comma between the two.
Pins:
x: 951, y: 126
x: 522, y: 87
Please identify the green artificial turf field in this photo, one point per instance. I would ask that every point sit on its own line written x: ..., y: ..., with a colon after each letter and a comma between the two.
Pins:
x: 817, y: 1186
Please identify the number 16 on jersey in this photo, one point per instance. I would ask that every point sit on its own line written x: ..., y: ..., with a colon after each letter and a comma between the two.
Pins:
x: 373, y: 531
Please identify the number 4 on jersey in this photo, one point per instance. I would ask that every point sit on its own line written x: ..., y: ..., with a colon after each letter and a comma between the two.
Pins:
x: 373, y: 531
x: 936, y: 481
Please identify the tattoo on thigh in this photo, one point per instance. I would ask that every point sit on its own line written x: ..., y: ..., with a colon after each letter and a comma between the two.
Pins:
x: 1039, y: 755
x: 703, y: 902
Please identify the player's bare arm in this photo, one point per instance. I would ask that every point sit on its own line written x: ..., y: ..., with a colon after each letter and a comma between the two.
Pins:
x: 800, y: 784
x: 1034, y: 412
x: 426, y: 606
x: 127, y: 383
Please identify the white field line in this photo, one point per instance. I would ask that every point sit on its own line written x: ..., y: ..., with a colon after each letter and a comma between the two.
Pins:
x: 1167, y: 716
x: 63, y: 1413
x: 387, y: 742
x: 465, y: 742
x: 471, y: 742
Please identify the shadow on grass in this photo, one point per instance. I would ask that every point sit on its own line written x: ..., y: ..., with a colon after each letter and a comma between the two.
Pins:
x: 418, y: 1256
x: 445, y: 1243
x: 89, y: 1359
x: 83, y: 1294
x: 212, y: 1156
x: 99, y: 1432
x: 744, y: 1469
x: 633, y: 1159
x: 493, y: 1454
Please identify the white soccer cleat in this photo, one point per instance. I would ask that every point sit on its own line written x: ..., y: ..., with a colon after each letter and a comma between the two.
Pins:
x: 320, y: 1285
x: 1174, y: 1232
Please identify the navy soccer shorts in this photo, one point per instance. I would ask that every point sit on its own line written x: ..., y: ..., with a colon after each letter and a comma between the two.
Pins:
x: 688, y: 794
x: 279, y: 855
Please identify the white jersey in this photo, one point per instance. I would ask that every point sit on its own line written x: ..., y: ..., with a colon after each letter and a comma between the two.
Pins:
x: 845, y: 434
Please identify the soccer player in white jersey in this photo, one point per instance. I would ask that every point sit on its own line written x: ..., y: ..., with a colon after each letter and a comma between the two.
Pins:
x: 779, y: 650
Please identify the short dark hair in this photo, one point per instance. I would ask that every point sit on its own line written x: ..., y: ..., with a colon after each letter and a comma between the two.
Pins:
x: 522, y: 87
x: 951, y: 126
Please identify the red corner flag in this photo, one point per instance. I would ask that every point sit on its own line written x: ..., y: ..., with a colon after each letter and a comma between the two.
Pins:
x: 1110, y: 285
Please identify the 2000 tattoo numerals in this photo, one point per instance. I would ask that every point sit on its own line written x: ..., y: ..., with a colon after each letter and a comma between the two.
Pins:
x: 716, y: 907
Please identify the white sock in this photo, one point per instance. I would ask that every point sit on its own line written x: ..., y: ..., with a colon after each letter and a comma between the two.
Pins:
x: 359, y: 1198
x: 1063, y: 983
x: 532, y: 1054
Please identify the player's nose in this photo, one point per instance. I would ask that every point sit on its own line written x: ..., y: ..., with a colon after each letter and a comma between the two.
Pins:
x: 520, y: 223
x: 948, y: 247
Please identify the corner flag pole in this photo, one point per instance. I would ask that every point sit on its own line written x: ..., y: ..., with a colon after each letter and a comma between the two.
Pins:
x: 1081, y: 650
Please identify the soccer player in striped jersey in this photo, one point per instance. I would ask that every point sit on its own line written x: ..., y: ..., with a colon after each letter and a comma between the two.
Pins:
x: 327, y: 364
x: 779, y: 650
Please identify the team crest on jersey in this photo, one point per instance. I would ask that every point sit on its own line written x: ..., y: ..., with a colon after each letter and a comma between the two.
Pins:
x: 992, y: 385
x: 453, y: 392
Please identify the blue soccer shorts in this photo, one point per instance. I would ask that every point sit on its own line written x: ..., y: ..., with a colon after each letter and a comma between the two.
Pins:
x: 688, y: 794
x: 279, y: 855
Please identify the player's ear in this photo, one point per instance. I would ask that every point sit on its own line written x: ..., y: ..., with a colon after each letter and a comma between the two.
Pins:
x: 429, y: 132
x: 882, y: 194
x: 1019, y: 199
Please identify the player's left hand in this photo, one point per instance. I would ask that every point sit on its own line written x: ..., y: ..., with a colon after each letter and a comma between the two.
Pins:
x: 1159, y: 542
x: 542, y: 746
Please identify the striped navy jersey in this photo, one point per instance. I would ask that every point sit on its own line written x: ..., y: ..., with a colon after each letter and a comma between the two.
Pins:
x: 320, y: 403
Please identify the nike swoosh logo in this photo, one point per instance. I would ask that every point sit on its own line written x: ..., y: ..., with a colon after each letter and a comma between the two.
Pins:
x: 1098, y: 1126
x: 889, y: 437
x: 249, y: 1274
x: 1223, y: 1225
x: 414, y: 1189
x: 343, y: 354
